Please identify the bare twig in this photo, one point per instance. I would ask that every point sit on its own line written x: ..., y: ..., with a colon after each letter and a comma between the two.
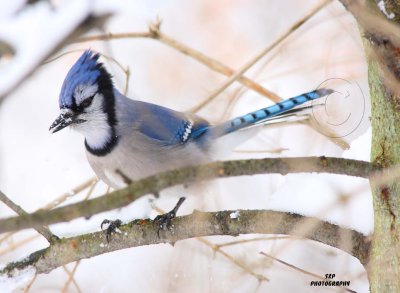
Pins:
x: 71, y: 278
x: 216, y: 248
x: 70, y: 194
x: 271, y: 151
x: 6, y: 236
x: 111, y: 36
x: 86, y: 22
x: 18, y: 244
x: 299, y: 269
x: 384, y: 37
x: 242, y: 241
x: 20, y: 211
x: 256, y: 58
x: 156, y: 183
x: 305, y: 227
x: 213, y: 64
x: 72, y: 273
x: 54, y: 203
x: 28, y: 287
x: 90, y: 191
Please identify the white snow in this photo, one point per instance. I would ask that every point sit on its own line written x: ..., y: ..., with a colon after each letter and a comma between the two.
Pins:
x: 19, y: 280
x: 381, y: 5
x: 234, y: 215
x: 37, y: 167
x: 20, y: 31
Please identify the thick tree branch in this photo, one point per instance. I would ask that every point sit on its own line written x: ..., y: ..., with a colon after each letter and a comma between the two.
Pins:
x: 382, y: 49
x: 156, y: 183
x: 198, y: 224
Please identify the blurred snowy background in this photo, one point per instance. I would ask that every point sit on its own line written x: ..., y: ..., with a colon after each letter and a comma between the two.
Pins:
x: 37, y: 167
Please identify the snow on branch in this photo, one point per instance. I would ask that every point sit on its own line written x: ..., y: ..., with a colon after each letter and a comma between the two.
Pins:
x: 30, y: 36
x: 198, y: 224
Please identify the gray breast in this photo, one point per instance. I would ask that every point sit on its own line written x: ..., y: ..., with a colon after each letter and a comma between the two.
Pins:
x: 137, y: 157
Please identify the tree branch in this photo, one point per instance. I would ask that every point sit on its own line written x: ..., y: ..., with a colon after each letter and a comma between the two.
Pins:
x: 20, y: 73
x: 45, y: 231
x: 259, y: 56
x: 197, y: 224
x: 382, y: 50
x: 156, y: 34
x: 156, y: 183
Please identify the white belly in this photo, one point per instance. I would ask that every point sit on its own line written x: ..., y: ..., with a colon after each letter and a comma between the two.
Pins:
x: 137, y: 162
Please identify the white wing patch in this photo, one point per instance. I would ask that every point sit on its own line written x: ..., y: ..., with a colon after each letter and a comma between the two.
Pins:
x: 188, y: 131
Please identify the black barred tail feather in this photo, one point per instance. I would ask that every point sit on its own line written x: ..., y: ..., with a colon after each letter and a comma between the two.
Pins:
x: 264, y: 114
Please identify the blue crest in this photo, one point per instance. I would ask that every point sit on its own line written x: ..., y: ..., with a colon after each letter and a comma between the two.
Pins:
x: 86, y: 70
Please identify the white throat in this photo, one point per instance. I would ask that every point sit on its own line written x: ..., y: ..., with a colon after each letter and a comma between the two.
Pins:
x: 97, y: 131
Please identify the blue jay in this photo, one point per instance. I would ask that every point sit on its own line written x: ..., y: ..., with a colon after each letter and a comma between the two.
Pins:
x: 125, y: 138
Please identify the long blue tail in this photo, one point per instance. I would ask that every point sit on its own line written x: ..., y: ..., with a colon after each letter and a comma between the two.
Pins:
x: 264, y: 114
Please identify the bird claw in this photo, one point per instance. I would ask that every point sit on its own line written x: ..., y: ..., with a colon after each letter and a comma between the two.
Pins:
x: 112, y: 227
x: 164, y: 221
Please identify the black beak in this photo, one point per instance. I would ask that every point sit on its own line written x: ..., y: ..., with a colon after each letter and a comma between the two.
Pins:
x: 64, y: 120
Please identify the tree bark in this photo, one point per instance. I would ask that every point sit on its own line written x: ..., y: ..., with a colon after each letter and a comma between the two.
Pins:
x: 384, y: 274
x: 378, y: 22
x: 198, y: 224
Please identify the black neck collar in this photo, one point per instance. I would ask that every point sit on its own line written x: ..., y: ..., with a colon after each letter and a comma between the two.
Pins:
x: 107, y: 148
x: 106, y: 87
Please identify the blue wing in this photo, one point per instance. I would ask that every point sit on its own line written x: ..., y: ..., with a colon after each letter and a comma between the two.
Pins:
x: 169, y: 127
x: 172, y: 128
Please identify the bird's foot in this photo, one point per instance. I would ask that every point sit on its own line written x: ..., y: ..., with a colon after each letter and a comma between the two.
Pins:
x: 112, y: 227
x: 163, y: 221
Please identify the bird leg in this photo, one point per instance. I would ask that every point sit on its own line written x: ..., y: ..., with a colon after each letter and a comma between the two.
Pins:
x: 112, y: 227
x: 163, y: 221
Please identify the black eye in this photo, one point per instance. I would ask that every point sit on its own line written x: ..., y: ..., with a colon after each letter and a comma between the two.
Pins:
x: 86, y: 102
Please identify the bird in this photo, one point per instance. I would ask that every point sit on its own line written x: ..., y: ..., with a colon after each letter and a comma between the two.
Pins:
x: 127, y: 140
